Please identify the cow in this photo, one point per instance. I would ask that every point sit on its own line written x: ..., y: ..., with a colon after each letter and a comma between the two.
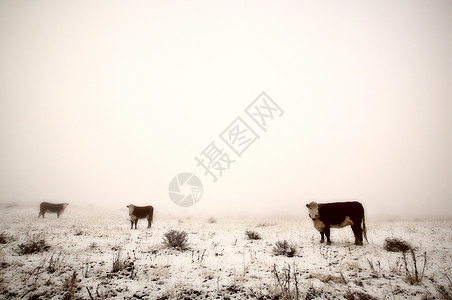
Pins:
x: 140, y: 212
x: 57, y: 208
x: 338, y: 215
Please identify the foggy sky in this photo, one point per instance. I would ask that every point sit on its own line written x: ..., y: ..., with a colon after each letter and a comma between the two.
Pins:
x: 104, y: 102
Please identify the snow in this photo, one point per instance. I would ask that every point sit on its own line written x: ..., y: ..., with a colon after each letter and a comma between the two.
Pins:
x: 220, y: 261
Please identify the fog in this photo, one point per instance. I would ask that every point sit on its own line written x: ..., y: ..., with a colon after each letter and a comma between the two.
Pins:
x: 105, y: 102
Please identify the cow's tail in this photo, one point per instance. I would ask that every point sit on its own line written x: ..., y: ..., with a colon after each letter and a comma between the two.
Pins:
x: 364, y: 228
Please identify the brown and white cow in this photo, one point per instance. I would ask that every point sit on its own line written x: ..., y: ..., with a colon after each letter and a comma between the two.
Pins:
x: 337, y: 215
x: 140, y: 212
x: 57, y: 208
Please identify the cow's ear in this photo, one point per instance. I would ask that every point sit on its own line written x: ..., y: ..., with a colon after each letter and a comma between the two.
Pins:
x: 128, y: 206
x: 307, y: 205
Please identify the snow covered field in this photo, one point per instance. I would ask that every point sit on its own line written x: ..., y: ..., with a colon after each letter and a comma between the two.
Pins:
x: 81, y: 249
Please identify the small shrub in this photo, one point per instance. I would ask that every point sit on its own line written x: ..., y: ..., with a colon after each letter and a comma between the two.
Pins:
x: 396, y: 245
x: 285, y: 248
x: 175, y: 239
x: 211, y: 220
x: 31, y: 247
x: 252, y: 235
x: 4, y: 239
x: 79, y: 232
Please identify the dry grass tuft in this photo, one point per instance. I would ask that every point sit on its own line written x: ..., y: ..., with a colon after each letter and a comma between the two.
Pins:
x: 396, y: 245
x: 287, y: 281
x: 70, y: 286
x: 4, y: 239
x: 413, y: 276
x: 32, y: 246
x: 252, y: 235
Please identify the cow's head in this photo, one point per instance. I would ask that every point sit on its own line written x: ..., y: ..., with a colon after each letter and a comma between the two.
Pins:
x: 131, y: 207
x: 313, y: 208
x: 65, y: 205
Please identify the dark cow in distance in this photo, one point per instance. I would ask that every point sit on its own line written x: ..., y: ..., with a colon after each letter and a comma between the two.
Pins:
x: 337, y: 215
x: 57, y: 208
x: 140, y: 212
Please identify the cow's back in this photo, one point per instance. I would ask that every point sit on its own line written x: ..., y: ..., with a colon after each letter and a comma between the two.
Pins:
x: 52, y: 207
x: 143, y: 211
x: 335, y: 213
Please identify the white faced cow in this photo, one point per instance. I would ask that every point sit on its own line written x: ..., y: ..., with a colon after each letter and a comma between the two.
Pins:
x: 338, y: 215
x: 57, y: 208
x: 140, y: 212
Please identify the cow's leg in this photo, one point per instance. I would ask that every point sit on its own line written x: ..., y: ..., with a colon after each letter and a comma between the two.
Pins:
x: 358, y: 232
x: 149, y: 222
x: 131, y: 224
x: 58, y: 214
x: 136, y: 221
x: 327, y: 233
x: 322, y: 237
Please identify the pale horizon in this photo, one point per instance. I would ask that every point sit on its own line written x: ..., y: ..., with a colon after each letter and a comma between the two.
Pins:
x: 105, y: 102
